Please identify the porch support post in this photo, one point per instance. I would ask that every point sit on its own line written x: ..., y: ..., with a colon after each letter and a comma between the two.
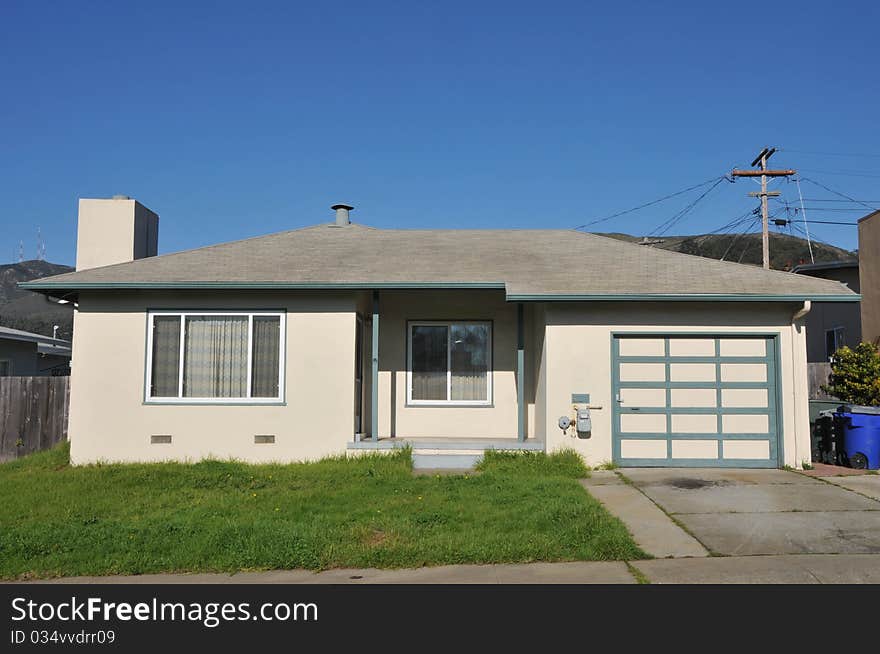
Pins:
x: 520, y: 374
x: 374, y: 385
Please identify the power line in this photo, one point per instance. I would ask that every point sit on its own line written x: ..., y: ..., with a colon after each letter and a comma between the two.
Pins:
x: 804, y: 216
x: 753, y: 223
x: 748, y: 243
x: 800, y: 229
x: 763, y: 172
x: 832, y: 154
x: 836, y: 200
x: 835, y: 210
x: 843, y: 195
x: 666, y: 226
x: 845, y: 173
x: 823, y: 222
x: 651, y: 203
x: 733, y: 224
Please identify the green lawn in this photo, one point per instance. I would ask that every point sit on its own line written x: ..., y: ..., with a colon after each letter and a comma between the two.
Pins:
x: 224, y: 516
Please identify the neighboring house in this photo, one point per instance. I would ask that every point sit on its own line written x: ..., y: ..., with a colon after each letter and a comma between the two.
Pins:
x: 869, y: 272
x: 831, y: 325
x: 339, y: 337
x: 23, y: 354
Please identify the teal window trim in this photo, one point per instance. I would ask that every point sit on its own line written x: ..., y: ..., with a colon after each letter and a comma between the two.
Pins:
x: 693, y: 359
x: 698, y: 436
x: 700, y: 411
x: 658, y: 384
x: 699, y: 463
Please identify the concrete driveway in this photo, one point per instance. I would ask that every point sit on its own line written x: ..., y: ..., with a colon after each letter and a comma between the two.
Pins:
x: 750, y: 512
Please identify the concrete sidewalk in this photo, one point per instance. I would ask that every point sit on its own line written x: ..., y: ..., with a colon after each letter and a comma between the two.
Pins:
x: 654, y: 532
x: 576, y: 572
x: 787, y: 569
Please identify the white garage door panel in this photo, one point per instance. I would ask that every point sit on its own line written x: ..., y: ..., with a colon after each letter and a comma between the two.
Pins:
x: 643, y: 449
x: 707, y: 400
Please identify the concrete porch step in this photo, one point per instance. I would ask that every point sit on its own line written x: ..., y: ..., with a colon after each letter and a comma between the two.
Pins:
x: 448, y: 453
x: 463, y: 462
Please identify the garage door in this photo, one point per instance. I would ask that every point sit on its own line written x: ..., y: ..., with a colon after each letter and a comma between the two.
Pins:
x: 695, y: 401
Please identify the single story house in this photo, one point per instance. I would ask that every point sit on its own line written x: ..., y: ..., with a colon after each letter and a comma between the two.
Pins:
x: 832, y: 325
x: 25, y: 354
x: 341, y: 337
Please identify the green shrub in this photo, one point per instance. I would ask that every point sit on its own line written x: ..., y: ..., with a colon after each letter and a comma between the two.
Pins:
x: 855, y: 375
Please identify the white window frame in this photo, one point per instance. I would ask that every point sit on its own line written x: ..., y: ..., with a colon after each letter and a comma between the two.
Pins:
x: 839, y: 342
x: 447, y: 402
x: 179, y: 399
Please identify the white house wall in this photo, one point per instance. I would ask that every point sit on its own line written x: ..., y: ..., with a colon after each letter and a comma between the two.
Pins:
x: 577, y: 353
x: 109, y: 420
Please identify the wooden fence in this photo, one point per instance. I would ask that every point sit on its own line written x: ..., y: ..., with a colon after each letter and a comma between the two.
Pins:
x: 33, y: 414
x: 818, y: 374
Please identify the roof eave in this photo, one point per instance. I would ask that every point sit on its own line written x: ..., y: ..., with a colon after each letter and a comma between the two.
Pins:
x: 681, y: 297
x: 49, y: 287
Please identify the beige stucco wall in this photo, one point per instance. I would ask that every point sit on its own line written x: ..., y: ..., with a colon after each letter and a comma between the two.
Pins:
x: 568, y: 350
x: 577, y: 353
x: 496, y: 421
x: 869, y: 276
x: 114, y: 231
x: 109, y: 420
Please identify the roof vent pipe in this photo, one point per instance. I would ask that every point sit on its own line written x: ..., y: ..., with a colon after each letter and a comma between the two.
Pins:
x: 342, y: 218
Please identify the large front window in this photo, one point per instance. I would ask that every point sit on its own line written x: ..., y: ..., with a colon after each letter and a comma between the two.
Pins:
x: 450, y: 363
x: 215, y: 356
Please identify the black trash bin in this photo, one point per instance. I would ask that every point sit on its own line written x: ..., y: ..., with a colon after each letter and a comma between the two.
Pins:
x: 821, y: 440
x: 827, y: 440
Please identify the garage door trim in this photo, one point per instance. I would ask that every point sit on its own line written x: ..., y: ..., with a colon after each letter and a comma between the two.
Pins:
x: 773, y: 410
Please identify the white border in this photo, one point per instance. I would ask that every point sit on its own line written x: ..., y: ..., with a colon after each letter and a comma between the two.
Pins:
x: 179, y: 399
x: 447, y: 402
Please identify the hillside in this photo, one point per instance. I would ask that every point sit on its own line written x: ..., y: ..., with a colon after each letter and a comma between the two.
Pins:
x: 786, y: 251
x: 30, y: 311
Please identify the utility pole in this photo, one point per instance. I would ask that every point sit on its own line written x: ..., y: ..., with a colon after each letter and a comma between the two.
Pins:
x: 763, y: 173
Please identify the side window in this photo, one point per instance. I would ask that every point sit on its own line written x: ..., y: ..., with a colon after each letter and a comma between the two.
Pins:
x: 834, y: 340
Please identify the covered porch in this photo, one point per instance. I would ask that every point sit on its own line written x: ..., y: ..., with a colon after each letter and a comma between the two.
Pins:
x: 446, y: 370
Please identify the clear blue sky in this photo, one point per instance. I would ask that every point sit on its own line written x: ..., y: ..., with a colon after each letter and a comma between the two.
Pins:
x: 249, y: 118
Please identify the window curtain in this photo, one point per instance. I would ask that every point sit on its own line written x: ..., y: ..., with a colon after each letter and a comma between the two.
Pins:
x: 429, y: 361
x: 215, y: 356
x: 264, y: 372
x: 166, y: 356
x: 470, y: 362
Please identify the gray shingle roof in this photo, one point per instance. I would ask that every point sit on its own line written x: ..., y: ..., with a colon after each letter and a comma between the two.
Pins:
x: 529, y: 264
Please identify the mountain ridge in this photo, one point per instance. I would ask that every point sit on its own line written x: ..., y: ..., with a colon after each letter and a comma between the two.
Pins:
x: 32, y: 312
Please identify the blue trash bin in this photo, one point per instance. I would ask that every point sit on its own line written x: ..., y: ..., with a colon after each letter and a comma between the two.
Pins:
x: 861, y: 435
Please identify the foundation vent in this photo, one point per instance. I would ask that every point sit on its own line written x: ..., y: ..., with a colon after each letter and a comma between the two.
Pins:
x: 264, y: 439
x: 160, y: 439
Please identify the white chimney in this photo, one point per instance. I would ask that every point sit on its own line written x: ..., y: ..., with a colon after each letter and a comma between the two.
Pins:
x: 114, y: 231
x: 342, y: 218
